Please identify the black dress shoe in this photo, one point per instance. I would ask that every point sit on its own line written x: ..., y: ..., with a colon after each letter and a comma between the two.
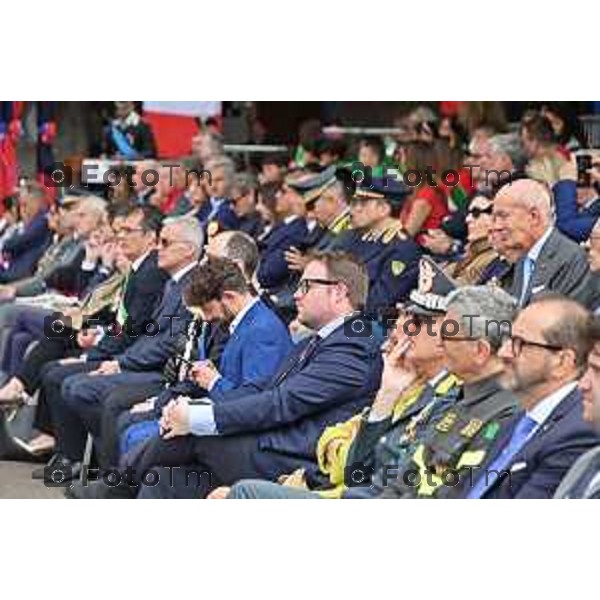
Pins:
x: 58, y: 471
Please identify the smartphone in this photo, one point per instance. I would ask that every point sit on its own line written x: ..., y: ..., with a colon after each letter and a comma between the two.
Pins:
x: 584, y: 165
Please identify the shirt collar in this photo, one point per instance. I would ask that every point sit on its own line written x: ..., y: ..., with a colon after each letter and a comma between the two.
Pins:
x: 542, y: 410
x: 290, y: 219
x: 131, y: 120
x: 137, y: 263
x: 535, y: 250
x: 240, y: 316
x: 337, y: 222
x: 437, y: 379
x: 328, y: 329
x: 177, y: 277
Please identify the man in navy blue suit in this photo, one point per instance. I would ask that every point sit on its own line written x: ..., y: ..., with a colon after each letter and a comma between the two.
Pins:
x: 266, y: 430
x: 21, y: 252
x: 77, y: 407
x: 290, y: 230
x: 257, y: 345
x: 544, y: 356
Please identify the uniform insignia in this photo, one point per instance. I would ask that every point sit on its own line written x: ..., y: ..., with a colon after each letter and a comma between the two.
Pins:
x: 397, y: 267
x: 471, y: 458
x: 212, y: 229
x: 491, y: 431
x: 471, y: 428
x: 447, y: 422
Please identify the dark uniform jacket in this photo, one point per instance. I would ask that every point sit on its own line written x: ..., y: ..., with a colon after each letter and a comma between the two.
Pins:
x: 392, y: 262
x: 273, y: 272
x: 450, y: 458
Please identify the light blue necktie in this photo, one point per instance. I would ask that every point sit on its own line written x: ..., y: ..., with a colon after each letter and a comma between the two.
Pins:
x: 518, y: 439
x: 528, y: 265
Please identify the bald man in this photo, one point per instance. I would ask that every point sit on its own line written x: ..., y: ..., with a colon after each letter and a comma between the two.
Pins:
x: 543, y: 358
x: 543, y: 259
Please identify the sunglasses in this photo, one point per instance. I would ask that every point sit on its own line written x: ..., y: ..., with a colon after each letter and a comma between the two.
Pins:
x: 477, y: 212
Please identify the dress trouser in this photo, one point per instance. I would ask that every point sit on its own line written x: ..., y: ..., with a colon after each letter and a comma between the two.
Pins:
x: 117, y: 402
x: 47, y: 350
x: 62, y: 422
x: 190, y: 466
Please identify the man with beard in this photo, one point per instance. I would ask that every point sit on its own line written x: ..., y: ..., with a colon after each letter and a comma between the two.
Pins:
x: 543, y: 357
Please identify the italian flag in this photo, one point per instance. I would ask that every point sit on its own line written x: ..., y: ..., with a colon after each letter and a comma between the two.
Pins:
x: 174, y: 124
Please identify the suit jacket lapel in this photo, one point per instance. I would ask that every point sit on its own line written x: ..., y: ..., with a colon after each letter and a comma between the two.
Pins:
x: 539, y: 436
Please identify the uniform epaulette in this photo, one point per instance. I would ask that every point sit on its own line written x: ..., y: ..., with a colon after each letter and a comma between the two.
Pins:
x: 449, y: 382
x: 387, y: 235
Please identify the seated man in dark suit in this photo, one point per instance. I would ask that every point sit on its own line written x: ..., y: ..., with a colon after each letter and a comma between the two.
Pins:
x: 258, y: 342
x: 543, y: 357
x: 267, y: 430
x: 21, y: 252
x: 543, y: 259
x: 288, y: 231
x: 75, y: 392
x: 583, y: 478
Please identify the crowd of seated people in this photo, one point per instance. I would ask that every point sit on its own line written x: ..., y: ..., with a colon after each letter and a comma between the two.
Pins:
x: 288, y: 330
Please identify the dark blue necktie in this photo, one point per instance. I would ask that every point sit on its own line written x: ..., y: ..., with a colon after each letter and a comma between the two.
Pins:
x: 520, y: 435
x: 299, y: 357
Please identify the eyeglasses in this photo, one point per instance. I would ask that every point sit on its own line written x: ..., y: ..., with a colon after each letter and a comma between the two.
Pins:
x: 125, y: 231
x: 517, y: 343
x: 305, y: 285
x: 476, y: 212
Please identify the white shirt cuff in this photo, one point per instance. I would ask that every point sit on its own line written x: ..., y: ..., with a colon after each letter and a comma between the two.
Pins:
x: 202, y: 420
x: 213, y: 382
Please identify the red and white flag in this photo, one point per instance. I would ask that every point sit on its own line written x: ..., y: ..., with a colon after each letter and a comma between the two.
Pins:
x: 174, y: 124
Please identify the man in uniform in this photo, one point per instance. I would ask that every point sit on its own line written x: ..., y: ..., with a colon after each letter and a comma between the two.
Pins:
x: 326, y: 200
x: 477, y: 320
x: 378, y: 240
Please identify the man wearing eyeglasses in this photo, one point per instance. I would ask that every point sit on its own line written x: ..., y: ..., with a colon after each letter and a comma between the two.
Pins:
x: 544, y: 259
x: 543, y: 358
